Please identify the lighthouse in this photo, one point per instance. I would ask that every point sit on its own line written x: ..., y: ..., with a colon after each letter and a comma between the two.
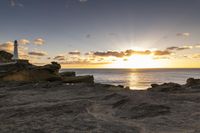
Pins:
x: 15, y: 52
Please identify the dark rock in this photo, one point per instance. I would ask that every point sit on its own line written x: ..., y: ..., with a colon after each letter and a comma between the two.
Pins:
x: 120, y: 86
x: 54, y: 67
x: 68, y: 74
x: 5, y: 57
x: 192, y: 82
x: 56, y: 78
x: 154, y: 85
x: 127, y: 88
x: 166, y: 87
x: 79, y: 79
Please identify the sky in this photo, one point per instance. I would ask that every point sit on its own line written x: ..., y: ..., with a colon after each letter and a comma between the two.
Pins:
x: 103, y: 33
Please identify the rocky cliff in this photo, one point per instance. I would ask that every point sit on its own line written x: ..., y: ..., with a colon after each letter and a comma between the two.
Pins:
x: 5, y: 56
x: 24, y: 71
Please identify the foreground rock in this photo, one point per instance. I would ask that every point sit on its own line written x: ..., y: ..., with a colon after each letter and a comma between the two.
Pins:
x: 166, y: 87
x: 191, y: 82
x: 49, y: 107
x: 191, y: 85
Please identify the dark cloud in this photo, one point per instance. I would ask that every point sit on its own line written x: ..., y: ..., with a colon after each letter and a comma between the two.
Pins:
x: 110, y: 53
x: 178, y: 48
x: 75, y: 53
x: 38, y: 53
x: 161, y: 53
x: 122, y: 53
x: 132, y: 52
x: 59, y: 58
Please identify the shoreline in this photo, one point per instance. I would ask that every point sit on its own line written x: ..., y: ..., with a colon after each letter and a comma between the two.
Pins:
x: 40, y: 99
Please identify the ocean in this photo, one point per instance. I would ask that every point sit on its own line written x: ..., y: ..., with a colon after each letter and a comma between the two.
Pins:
x: 138, y: 79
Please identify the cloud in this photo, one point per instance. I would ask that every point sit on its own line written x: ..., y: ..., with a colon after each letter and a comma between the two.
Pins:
x: 7, y: 46
x: 38, y: 53
x: 59, y: 58
x: 197, y: 56
x: 179, y: 48
x: 132, y: 52
x: 109, y: 53
x: 197, y: 46
x: 185, y: 34
x: 88, y: 36
x: 39, y: 41
x: 24, y: 41
x: 122, y: 53
x: 14, y: 3
x: 83, y: 1
x: 161, y: 53
x: 188, y: 46
x: 74, y: 53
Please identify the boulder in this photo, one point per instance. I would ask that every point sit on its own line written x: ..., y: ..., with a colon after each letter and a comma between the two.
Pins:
x: 79, y: 79
x: 166, y: 87
x: 67, y: 74
x: 191, y: 82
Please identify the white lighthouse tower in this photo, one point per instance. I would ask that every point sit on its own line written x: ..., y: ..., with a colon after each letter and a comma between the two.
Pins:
x: 15, y: 52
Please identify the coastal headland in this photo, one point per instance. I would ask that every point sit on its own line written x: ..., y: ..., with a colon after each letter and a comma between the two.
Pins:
x: 41, y: 100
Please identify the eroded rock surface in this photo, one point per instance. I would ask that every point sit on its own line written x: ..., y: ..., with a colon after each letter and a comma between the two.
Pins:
x: 49, y: 107
x: 24, y: 71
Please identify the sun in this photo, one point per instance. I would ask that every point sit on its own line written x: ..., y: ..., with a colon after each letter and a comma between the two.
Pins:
x: 136, y: 61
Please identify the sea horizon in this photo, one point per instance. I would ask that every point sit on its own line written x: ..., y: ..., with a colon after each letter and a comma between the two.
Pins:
x: 139, y: 79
